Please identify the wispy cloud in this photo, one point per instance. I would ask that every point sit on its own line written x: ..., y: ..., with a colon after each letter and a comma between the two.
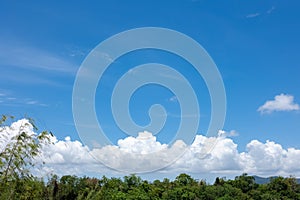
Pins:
x: 31, y: 102
x: 29, y: 78
x: 183, y: 116
x: 25, y: 64
x: 271, y: 10
x: 29, y: 57
x: 14, y: 101
x: 257, y: 14
x: 173, y: 99
x: 282, y: 102
x: 35, y: 103
x: 252, y: 15
x: 174, y: 77
x: 75, y: 51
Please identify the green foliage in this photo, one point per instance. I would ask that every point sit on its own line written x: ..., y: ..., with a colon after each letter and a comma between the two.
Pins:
x: 245, y: 183
x: 133, y: 187
x: 17, y: 158
x: 185, y: 180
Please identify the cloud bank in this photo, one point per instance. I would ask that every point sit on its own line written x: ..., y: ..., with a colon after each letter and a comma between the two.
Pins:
x: 72, y: 157
x: 282, y: 102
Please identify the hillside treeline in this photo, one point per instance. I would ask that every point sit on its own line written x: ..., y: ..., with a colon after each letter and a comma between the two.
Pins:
x: 133, y: 187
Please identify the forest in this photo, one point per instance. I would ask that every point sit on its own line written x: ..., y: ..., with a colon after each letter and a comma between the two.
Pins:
x: 17, y: 182
x: 133, y: 187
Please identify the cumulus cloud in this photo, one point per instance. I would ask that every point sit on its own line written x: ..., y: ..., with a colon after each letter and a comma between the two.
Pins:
x: 205, y: 155
x: 7, y: 133
x: 231, y: 133
x: 223, y: 156
x: 139, y: 154
x: 282, y: 102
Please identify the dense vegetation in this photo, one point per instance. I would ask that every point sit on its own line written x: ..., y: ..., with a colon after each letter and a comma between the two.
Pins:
x: 16, y: 181
x: 133, y: 187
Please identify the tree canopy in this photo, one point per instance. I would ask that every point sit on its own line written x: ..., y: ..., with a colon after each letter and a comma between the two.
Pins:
x: 17, y: 154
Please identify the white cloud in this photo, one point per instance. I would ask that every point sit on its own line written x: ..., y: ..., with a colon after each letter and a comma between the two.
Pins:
x: 35, y: 103
x: 8, y: 132
x: 257, y: 14
x: 32, y: 102
x: 231, y: 133
x: 263, y: 157
x: 25, y: 56
x: 72, y: 157
x: 173, y: 99
x: 130, y: 154
x: 222, y: 157
x: 141, y: 154
x: 13, y: 101
x: 252, y: 15
x: 271, y: 10
x: 144, y: 143
x: 282, y: 102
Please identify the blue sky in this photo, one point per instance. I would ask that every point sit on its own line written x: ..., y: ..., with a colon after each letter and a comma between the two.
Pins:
x: 255, y: 45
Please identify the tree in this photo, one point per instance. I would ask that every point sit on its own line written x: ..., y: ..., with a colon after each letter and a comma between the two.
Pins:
x: 184, y: 180
x: 245, y: 183
x: 219, y: 181
x: 19, y: 147
x: 132, y: 181
x: 285, y: 187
